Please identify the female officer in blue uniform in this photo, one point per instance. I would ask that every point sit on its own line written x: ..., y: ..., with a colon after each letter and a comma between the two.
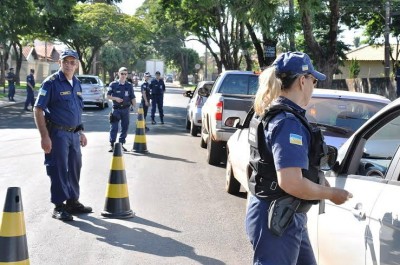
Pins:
x: 289, y: 82
x: 61, y: 131
x: 122, y: 95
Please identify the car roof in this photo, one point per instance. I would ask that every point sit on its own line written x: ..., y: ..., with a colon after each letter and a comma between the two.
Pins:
x: 237, y: 72
x: 332, y: 93
x: 94, y: 76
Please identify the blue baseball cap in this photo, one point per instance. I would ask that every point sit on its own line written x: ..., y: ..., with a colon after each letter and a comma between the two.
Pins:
x: 296, y: 63
x: 67, y: 53
x: 147, y: 74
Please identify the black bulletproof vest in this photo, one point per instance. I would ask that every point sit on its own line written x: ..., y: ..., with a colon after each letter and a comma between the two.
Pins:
x: 263, y: 182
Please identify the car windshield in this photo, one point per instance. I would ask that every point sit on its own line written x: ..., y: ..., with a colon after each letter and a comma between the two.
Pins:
x: 240, y: 84
x: 87, y: 80
x: 340, y: 113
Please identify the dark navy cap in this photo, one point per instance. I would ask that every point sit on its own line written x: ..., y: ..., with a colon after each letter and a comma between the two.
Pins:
x: 67, y: 53
x: 158, y: 72
x: 294, y: 63
x: 11, y: 69
x: 147, y: 74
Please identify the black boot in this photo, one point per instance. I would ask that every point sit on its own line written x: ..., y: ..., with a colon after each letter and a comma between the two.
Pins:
x: 75, y: 207
x: 60, y: 213
x: 111, y: 148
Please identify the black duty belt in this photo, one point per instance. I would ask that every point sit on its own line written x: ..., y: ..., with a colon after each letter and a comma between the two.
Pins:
x: 52, y: 125
x: 121, y: 107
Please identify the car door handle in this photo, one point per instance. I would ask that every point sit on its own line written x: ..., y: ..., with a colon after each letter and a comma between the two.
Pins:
x: 358, y: 212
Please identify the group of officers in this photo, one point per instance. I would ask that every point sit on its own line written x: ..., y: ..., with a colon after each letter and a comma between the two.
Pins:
x: 123, y: 97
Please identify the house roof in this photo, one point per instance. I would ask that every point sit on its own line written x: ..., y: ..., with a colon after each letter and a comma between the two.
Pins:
x: 45, y: 52
x: 26, y: 51
x: 370, y: 53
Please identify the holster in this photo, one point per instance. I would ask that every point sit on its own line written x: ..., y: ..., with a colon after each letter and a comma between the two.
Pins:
x: 281, y: 212
x: 112, y: 118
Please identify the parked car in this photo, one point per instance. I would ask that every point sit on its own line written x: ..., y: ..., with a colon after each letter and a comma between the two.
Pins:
x: 168, y: 79
x: 232, y: 95
x: 93, y: 91
x: 365, y: 229
x: 338, y: 114
x: 197, y: 97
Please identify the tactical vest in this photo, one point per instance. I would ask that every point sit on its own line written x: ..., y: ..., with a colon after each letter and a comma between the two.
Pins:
x: 263, y: 182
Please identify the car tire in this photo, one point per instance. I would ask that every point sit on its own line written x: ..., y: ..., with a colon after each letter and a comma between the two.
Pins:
x: 193, y: 129
x: 106, y: 104
x: 203, y: 143
x: 101, y: 105
x: 214, y: 151
x: 232, y: 185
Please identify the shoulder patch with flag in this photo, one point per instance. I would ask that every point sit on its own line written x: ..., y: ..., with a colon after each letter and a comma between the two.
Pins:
x: 42, y: 92
x: 296, y: 139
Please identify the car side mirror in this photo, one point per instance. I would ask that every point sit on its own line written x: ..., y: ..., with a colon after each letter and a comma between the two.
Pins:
x: 328, y: 161
x: 204, y: 92
x: 233, y: 122
x: 188, y: 94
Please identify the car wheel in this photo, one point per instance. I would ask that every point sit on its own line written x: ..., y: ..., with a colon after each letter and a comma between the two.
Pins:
x: 203, y: 143
x: 214, y: 151
x: 193, y: 129
x: 187, y: 124
x: 101, y: 105
x: 106, y: 104
x: 232, y: 185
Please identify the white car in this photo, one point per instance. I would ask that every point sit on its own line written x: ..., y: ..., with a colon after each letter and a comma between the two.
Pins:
x: 338, y: 113
x: 195, y: 104
x: 93, y: 91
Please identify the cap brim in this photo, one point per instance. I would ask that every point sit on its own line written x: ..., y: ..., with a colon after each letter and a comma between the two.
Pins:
x: 318, y: 75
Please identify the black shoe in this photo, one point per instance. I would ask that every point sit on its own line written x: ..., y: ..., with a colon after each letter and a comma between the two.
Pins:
x: 162, y: 122
x: 111, y: 148
x: 123, y: 148
x: 146, y: 129
x: 153, y: 122
x: 74, y: 206
x: 60, y: 213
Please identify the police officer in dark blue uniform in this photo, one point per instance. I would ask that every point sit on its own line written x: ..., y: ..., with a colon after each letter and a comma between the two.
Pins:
x: 122, y: 94
x: 157, y: 88
x: 11, y: 78
x: 30, y: 85
x: 285, y: 157
x: 58, y: 116
x: 145, y: 88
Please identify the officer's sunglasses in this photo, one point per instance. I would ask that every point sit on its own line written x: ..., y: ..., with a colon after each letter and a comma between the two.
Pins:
x: 69, y: 62
x: 123, y: 73
x: 314, y: 80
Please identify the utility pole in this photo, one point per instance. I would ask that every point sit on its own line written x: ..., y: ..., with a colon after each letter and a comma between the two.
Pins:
x: 387, y: 47
x: 205, y: 64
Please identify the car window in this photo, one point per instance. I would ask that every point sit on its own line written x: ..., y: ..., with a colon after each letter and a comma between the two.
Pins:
x: 239, y: 84
x: 348, y: 114
x: 379, y: 149
x: 87, y: 80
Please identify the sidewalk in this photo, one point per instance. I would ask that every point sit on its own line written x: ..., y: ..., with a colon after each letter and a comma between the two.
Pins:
x: 20, y: 97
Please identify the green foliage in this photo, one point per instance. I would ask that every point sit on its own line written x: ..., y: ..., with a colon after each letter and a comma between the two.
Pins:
x: 354, y: 68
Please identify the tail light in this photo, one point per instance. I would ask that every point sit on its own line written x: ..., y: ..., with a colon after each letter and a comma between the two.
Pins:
x: 218, y: 113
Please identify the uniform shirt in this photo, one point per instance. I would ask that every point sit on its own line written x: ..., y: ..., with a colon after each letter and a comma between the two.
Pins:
x: 145, y: 88
x: 287, y: 138
x: 124, y: 91
x: 11, y: 78
x: 157, y: 87
x: 31, y: 80
x: 61, y: 102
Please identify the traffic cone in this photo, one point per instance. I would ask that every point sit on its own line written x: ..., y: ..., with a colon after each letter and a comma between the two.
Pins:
x: 13, y: 244
x: 139, y: 145
x: 117, y: 197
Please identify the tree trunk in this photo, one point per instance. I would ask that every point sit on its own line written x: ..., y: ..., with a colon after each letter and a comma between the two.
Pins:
x: 18, y: 59
x: 257, y: 45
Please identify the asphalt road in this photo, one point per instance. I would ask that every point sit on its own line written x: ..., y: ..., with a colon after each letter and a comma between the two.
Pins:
x: 183, y: 214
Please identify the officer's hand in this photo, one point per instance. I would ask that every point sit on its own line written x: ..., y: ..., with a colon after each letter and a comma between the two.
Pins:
x: 146, y: 103
x: 46, y: 144
x: 340, y: 196
x: 83, y: 140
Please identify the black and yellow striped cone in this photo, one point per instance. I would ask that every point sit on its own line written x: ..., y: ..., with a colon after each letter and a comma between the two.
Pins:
x: 139, y: 145
x: 13, y: 244
x: 117, y: 197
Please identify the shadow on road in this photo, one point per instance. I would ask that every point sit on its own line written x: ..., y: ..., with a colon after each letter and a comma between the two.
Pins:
x: 159, y: 156
x: 139, y: 239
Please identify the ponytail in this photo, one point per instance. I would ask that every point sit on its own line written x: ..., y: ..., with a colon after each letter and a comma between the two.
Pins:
x: 269, y: 88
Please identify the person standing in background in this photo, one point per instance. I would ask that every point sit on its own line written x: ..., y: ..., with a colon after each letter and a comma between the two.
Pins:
x: 30, y: 86
x: 11, y: 78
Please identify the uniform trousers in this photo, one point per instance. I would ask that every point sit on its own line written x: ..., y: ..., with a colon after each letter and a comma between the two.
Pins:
x: 123, y: 116
x: 63, y: 165
x: 11, y: 91
x: 157, y: 100
x: 292, y: 248
x: 30, y: 98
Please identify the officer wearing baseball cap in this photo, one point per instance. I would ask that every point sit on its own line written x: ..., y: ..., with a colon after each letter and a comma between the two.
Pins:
x: 11, y: 78
x: 58, y: 116
x: 157, y: 88
x: 285, y: 156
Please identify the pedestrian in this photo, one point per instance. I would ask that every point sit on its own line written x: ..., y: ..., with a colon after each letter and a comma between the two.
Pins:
x: 122, y: 94
x: 145, y: 88
x: 285, y: 155
x: 58, y: 117
x: 397, y: 78
x: 11, y: 78
x: 157, y: 88
x: 30, y: 86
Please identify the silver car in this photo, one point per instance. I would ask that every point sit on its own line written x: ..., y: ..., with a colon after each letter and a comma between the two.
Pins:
x: 197, y: 97
x: 93, y: 91
x: 338, y: 114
